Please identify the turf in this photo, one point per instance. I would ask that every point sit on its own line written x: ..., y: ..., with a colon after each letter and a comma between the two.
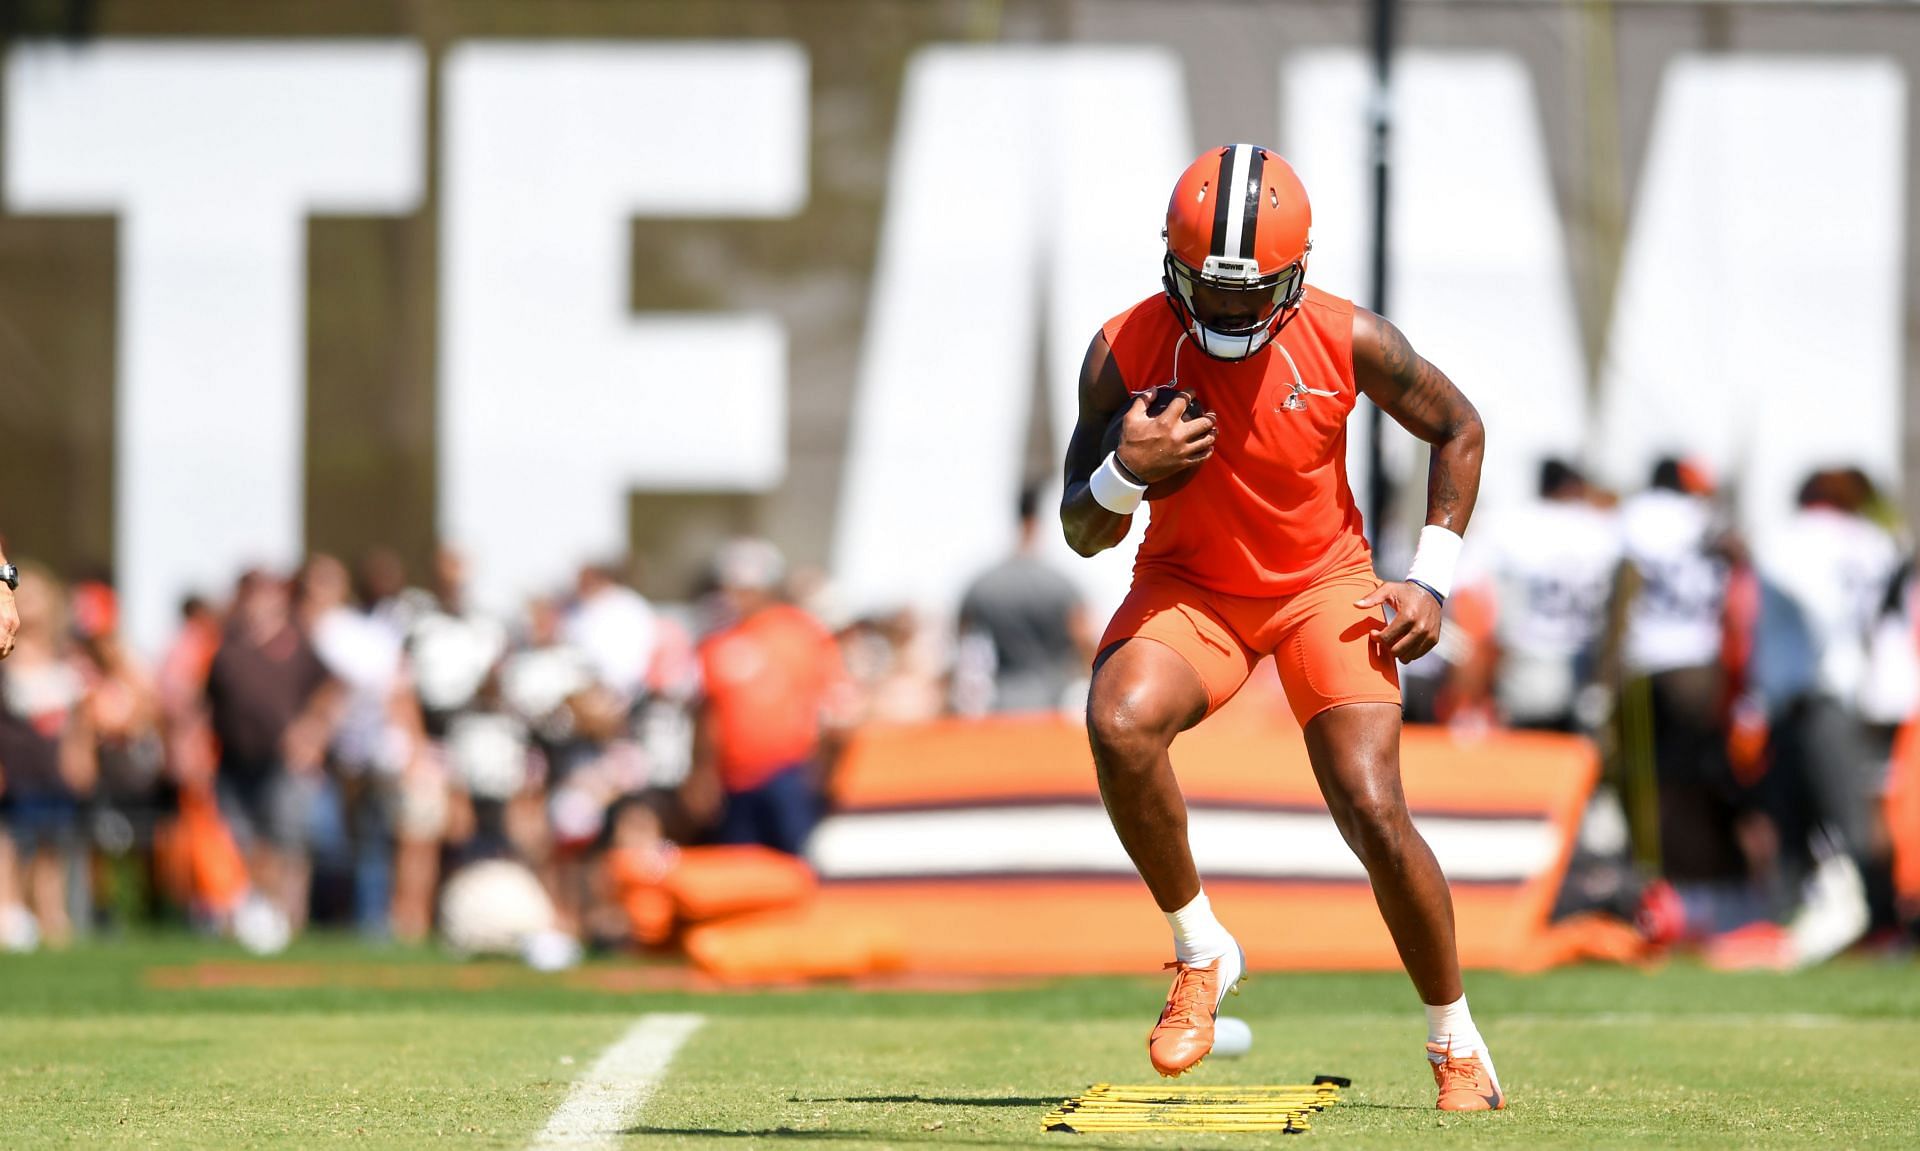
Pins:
x: 170, y: 1043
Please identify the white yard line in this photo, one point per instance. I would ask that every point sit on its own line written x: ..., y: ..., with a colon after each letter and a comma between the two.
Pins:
x: 605, y: 1101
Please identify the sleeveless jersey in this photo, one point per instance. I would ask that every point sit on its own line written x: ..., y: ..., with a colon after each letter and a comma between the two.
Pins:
x: 1270, y: 511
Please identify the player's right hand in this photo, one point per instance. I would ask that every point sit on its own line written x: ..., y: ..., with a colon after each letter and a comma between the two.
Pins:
x: 1154, y: 447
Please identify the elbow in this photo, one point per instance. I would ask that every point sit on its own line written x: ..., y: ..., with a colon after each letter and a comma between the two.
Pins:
x: 1469, y: 435
x: 1084, y: 542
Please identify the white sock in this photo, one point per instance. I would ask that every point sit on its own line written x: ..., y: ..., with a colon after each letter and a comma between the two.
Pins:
x: 1450, y: 1026
x: 1198, y: 937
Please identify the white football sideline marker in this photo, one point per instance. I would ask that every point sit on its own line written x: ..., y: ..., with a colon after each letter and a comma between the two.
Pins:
x: 606, y: 1100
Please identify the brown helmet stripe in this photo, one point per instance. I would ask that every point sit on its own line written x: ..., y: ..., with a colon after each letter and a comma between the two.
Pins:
x: 1222, y: 203
x: 1251, y: 191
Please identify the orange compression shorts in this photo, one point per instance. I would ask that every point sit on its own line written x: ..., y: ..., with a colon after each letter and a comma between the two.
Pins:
x: 1321, y: 644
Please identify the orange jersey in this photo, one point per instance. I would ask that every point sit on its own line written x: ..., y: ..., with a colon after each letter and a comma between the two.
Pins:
x: 768, y: 678
x: 1271, y: 510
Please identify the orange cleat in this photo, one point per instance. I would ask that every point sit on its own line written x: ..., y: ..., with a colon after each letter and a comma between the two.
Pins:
x: 1466, y: 1082
x: 1184, y: 1034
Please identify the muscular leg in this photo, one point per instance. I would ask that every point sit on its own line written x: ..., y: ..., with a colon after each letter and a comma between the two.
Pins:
x: 1355, y: 751
x: 1143, y: 694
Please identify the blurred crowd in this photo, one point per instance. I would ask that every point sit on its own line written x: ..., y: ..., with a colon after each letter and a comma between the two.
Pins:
x: 1750, y: 699
x: 332, y: 744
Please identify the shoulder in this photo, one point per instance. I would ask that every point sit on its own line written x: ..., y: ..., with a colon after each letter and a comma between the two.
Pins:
x: 1335, y: 320
x: 1150, y: 319
x: 1121, y: 349
x: 1327, y: 304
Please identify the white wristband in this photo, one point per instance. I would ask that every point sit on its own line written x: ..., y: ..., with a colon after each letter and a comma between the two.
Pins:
x: 1435, y: 557
x: 1113, y: 490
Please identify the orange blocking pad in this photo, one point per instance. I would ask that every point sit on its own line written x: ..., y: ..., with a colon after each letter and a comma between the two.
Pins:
x: 812, y: 942
x: 985, y: 846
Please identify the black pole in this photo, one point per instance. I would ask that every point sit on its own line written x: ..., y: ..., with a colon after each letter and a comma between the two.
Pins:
x: 1379, y: 495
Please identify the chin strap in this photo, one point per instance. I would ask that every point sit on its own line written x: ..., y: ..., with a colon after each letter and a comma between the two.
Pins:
x: 1185, y: 334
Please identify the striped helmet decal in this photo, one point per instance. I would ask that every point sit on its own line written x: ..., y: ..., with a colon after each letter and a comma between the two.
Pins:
x: 1236, y: 203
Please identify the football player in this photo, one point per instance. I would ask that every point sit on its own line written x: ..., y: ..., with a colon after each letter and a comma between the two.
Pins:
x: 1259, y: 552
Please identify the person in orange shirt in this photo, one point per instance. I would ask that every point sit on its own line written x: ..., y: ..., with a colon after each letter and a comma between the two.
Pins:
x: 770, y: 681
x: 1255, y: 548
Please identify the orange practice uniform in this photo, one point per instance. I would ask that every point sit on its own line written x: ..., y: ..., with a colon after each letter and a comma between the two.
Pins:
x: 1262, y: 552
x: 768, y: 679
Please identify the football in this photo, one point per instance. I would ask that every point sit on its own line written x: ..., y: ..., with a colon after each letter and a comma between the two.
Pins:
x: 1156, y: 403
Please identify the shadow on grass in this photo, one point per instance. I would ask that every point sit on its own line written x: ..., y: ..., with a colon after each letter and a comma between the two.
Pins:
x: 939, y: 1100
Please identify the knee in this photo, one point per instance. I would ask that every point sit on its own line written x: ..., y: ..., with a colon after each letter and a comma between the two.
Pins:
x: 1129, y: 729
x: 1375, y: 824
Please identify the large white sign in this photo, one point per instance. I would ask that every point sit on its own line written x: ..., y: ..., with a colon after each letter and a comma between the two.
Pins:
x: 555, y: 400
x: 1478, y: 271
x: 1025, y: 201
x: 1759, y: 320
x: 213, y: 156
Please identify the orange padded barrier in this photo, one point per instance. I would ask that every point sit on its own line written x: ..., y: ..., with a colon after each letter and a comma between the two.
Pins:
x: 983, y: 847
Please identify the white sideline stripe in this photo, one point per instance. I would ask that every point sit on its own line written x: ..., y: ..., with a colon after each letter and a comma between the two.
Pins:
x: 606, y: 1100
x: 1079, y: 840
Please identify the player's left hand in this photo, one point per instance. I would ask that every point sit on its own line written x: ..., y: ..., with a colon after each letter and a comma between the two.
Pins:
x: 1415, y: 626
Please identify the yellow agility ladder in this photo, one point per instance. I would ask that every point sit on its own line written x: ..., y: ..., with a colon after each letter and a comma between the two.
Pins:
x: 1104, y: 1107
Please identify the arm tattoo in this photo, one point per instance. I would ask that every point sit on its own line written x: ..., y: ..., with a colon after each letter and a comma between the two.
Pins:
x: 1421, y: 392
x: 1421, y: 398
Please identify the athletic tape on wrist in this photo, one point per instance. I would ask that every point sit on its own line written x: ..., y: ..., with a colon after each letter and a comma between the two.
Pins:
x: 1114, y: 491
x: 1434, y: 559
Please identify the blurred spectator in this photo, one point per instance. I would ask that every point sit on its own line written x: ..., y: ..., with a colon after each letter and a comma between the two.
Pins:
x: 1673, y: 709
x: 772, y: 682
x: 615, y: 628
x: 452, y: 651
x: 182, y: 692
x: 1025, y: 625
x: 896, y: 667
x: 197, y: 862
x: 452, y: 647
x: 362, y: 654
x: 272, y: 707
x: 663, y: 724
x: 575, y: 754
x: 1829, y: 575
x: 373, y: 734
x: 542, y: 674
x: 123, y: 711
x: 1551, y: 565
x: 47, y: 756
x: 380, y: 584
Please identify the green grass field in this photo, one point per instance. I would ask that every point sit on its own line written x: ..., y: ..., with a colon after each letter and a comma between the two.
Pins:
x: 176, y: 1044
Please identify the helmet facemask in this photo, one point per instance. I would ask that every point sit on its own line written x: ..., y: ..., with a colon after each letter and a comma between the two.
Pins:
x: 1279, y: 294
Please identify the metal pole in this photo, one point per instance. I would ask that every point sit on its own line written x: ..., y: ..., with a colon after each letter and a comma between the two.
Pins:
x: 1379, y: 495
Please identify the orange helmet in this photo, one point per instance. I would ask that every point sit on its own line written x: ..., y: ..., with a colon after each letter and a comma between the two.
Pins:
x: 1237, y: 232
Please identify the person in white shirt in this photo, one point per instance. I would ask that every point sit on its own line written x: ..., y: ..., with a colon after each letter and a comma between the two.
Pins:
x: 1827, y: 574
x: 1674, y: 579
x: 614, y: 626
x: 1550, y: 567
